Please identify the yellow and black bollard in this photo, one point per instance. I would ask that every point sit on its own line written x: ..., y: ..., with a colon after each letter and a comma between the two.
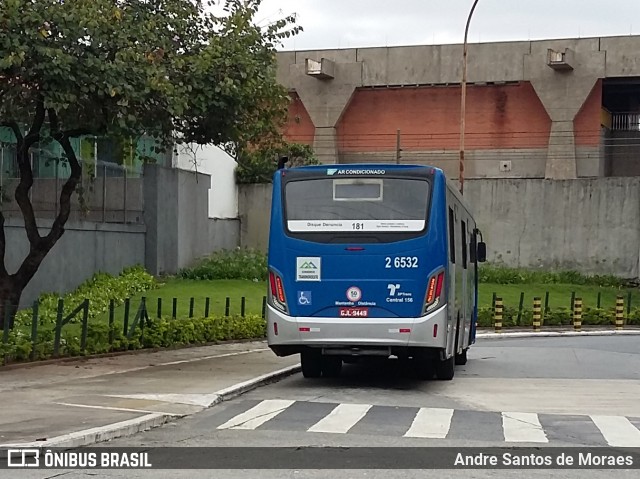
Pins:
x: 537, y: 314
x: 577, y: 314
x: 497, y: 315
x: 619, y: 312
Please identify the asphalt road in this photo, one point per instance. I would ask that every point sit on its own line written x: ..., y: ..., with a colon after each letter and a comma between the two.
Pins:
x: 540, y: 392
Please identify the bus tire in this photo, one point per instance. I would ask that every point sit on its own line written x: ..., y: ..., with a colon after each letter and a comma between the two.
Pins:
x: 331, y: 367
x: 446, y: 369
x: 311, y: 362
x: 461, y: 359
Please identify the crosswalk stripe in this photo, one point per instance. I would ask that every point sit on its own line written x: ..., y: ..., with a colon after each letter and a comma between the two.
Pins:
x: 522, y: 427
x: 431, y: 423
x: 437, y: 423
x: 341, y: 419
x: 257, y: 415
x: 617, y: 430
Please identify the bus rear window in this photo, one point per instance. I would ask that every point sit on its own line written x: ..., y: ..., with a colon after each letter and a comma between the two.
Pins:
x: 357, y: 205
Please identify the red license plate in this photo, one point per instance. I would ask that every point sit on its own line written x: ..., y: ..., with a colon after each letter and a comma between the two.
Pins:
x: 354, y: 312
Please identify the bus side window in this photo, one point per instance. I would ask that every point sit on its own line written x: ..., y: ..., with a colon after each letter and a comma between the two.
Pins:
x: 463, y: 228
x: 473, y: 248
x: 452, y: 236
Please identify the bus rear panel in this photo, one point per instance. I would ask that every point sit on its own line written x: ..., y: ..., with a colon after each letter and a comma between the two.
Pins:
x: 359, y: 266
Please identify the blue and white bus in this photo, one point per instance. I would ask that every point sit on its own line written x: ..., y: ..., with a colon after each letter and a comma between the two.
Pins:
x: 371, y: 260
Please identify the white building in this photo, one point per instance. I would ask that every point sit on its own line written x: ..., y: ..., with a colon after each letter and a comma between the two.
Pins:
x: 213, y: 161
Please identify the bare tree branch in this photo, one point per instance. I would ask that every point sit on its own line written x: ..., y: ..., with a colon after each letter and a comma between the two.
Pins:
x: 38, y: 121
x: 44, y: 245
x: 26, y: 175
x: 70, y: 185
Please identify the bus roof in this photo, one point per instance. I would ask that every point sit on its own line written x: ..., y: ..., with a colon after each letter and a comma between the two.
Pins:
x: 386, y: 166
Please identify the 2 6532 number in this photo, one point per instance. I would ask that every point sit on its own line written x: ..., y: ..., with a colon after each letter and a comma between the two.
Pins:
x: 401, y: 262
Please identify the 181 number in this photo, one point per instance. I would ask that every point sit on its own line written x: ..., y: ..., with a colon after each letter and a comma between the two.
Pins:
x: 401, y: 262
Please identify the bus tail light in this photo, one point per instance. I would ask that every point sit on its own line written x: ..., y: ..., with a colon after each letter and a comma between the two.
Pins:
x: 435, y: 292
x: 277, y: 297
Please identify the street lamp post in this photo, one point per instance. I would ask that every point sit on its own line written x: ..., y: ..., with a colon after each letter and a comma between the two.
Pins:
x: 464, y: 97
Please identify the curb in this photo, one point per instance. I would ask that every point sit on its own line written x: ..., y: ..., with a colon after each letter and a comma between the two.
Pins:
x: 130, y: 427
x: 555, y: 334
x: 100, y: 434
x: 246, y: 386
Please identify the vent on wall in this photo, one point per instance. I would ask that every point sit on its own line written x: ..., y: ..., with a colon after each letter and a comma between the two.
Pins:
x: 323, y: 69
x: 561, y: 61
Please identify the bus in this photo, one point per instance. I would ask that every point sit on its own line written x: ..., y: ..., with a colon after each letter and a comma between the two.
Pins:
x: 371, y: 261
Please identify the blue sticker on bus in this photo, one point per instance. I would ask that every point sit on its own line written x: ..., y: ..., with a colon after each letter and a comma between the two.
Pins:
x: 304, y: 298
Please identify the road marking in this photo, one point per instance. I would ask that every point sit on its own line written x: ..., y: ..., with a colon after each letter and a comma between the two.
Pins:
x: 431, y: 423
x: 341, y: 419
x: 617, y: 430
x: 257, y: 415
x: 522, y: 427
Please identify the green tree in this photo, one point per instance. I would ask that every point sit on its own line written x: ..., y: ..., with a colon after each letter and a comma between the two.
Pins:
x: 125, y: 68
x: 258, y: 165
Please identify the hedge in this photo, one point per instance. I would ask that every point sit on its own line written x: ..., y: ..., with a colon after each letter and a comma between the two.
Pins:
x: 555, y: 317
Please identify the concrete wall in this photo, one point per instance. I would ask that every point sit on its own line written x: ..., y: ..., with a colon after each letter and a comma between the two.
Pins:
x: 177, y: 230
x: 589, y: 225
x: 254, y: 212
x: 109, y: 200
x: 570, y: 99
x: 84, y: 249
x: 176, y: 214
x: 623, y: 157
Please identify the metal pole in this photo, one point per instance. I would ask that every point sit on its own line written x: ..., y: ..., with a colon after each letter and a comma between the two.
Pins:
x: 32, y: 173
x: 55, y: 213
x: 125, y: 194
x: 95, y: 157
x: 1, y: 173
x: 398, y: 147
x: 464, y: 97
x: 104, y: 193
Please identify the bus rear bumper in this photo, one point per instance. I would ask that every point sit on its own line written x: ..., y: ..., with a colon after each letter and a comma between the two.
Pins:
x: 289, y: 335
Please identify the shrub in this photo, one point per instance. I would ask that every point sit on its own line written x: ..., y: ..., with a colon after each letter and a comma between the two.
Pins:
x: 168, y: 332
x: 99, y: 290
x: 239, y: 263
x: 555, y: 317
x: 156, y: 333
x: 503, y: 275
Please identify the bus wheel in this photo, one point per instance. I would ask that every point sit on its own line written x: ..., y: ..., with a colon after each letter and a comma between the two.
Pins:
x: 311, y: 364
x: 461, y: 359
x: 331, y: 367
x: 445, y: 369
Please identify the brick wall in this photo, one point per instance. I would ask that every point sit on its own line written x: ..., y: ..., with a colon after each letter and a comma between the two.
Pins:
x: 497, y: 116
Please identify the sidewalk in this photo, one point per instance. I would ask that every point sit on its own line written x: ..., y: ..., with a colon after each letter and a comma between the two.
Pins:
x: 81, y: 402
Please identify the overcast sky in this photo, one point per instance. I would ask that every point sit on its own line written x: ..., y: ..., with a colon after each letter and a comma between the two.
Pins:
x: 363, y: 23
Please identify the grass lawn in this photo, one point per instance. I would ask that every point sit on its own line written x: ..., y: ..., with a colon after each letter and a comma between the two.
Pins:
x: 185, y: 289
x: 218, y: 290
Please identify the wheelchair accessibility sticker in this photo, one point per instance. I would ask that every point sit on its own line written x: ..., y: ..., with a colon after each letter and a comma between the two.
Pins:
x: 304, y: 298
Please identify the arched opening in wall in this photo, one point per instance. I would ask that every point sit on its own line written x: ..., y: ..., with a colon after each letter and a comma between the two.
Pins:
x: 621, y: 126
x: 299, y: 127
